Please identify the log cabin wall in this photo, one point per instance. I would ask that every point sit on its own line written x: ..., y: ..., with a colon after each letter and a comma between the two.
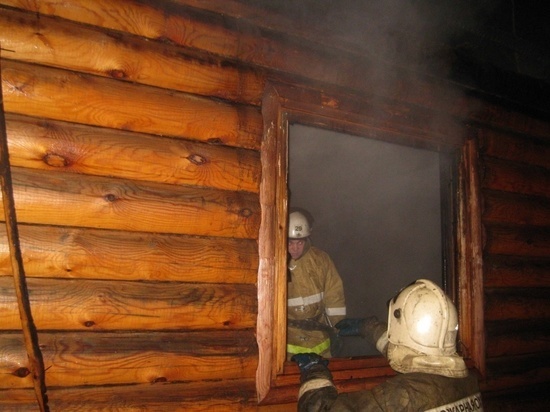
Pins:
x: 515, y: 188
x: 135, y: 133
x: 136, y: 172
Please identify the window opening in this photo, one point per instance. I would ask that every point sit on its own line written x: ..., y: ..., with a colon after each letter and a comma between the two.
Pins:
x: 377, y: 210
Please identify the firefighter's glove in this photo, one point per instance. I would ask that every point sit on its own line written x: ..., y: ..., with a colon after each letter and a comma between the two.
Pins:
x: 307, y: 360
x: 350, y: 327
x: 357, y: 327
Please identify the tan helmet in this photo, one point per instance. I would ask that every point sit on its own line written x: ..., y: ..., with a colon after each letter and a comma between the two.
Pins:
x: 421, y: 317
x: 298, y: 226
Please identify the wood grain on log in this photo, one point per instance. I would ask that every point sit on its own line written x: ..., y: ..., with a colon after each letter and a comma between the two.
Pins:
x: 517, y: 337
x: 516, y: 304
x: 210, y: 395
x: 516, y: 148
x: 510, y: 208
x: 516, y: 178
x: 517, y: 241
x: 87, y: 358
x: 37, y: 39
x: 515, y: 272
x: 67, y: 199
x: 77, y: 304
x: 81, y: 98
x: 53, y: 145
x: 69, y: 252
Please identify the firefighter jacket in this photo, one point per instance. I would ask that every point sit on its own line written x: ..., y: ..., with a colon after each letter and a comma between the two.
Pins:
x: 405, y: 392
x: 414, y: 391
x: 315, y: 302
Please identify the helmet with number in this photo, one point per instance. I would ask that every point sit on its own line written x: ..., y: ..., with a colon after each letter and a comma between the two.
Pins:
x: 298, y: 226
x: 421, y: 317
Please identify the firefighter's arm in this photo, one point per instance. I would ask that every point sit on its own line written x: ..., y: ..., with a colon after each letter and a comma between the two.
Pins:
x: 369, y: 328
x: 317, y: 391
x: 334, y: 299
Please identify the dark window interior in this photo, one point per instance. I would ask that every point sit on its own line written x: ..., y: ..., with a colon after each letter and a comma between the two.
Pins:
x: 377, y: 211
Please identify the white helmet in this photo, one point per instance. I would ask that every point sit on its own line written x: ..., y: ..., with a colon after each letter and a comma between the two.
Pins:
x: 298, y: 226
x: 421, y: 317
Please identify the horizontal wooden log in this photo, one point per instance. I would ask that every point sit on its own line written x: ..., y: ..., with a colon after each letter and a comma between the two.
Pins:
x: 67, y: 252
x: 20, y: 400
x: 80, y: 98
x: 372, y: 117
x: 286, y: 396
x: 517, y: 304
x: 515, y: 148
x: 69, y: 304
x: 67, y: 199
x: 349, y: 375
x: 52, y: 145
x: 517, y: 241
x: 210, y: 395
x: 506, y: 271
x: 218, y: 31
x: 517, y: 337
x: 145, y: 19
x: 530, y: 397
x: 350, y: 65
x: 364, y: 366
x: 508, y: 208
x: 533, y: 368
x: 515, y: 178
x: 43, y: 40
x: 213, y: 33
x: 78, y: 359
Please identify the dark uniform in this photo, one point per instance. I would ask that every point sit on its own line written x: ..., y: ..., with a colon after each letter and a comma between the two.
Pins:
x: 404, y: 392
x: 413, y: 391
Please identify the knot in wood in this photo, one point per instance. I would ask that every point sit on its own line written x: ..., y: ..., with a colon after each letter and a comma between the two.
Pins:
x: 55, y: 160
x: 117, y: 74
x: 245, y: 212
x: 159, y: 379
x: 89, y: 323
x: 215, y: 140
x: 110, y: 197
x: 197, y: 159
x: 21, y: 372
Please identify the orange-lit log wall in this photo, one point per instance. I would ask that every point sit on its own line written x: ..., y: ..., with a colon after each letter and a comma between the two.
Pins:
x: 135, y: 132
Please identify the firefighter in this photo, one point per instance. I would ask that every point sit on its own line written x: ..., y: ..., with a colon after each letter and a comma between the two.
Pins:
x: 315, y: 293
x: 419, y: 342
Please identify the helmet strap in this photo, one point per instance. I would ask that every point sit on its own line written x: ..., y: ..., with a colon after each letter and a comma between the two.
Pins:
x: 407, y: 360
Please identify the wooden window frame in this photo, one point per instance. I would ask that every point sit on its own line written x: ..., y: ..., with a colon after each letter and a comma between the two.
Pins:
x: 277, y: 381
